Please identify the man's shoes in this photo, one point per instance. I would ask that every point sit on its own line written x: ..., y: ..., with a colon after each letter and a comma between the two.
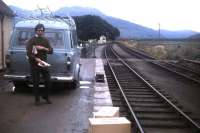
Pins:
x: 37, y: 103
x: 47, y: 100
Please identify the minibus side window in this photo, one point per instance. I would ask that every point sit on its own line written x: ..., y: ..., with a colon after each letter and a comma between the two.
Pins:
x: 75, y: 40
x: 22, y: 37
x: 55, y: 38
x: 71, y: 40
x: 73, y: 37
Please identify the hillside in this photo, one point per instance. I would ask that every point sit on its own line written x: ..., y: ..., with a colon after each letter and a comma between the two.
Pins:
x: 127, y: 29
x: 78, y: 11
x: 131, y: 30
x: 196, y: 36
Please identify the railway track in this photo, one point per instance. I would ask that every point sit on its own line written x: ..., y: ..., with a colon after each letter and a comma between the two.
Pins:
x: 187, y: 73
x: 193, y: 65
x: 177, y: 69
x: 150, y: 110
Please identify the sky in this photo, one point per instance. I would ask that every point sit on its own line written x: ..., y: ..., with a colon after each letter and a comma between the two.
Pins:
x: 170, y: 14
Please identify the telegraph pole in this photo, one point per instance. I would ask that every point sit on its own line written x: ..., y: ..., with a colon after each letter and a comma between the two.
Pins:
x: 159, y: 33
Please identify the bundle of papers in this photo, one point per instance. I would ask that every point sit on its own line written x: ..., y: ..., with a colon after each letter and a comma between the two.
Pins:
x: 34, y: 50
x: 43, y: 64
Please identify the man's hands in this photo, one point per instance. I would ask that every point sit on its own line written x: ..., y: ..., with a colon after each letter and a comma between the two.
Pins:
x: 42, y: 63
x: 38, y: 47
x: 38, y: 60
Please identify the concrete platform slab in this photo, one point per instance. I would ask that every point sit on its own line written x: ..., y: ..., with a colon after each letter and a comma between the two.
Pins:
x: 101, y: 88
x: 102, y: 95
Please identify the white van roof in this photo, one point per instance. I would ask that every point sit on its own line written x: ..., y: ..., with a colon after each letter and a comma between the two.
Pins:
x: 52, y: 24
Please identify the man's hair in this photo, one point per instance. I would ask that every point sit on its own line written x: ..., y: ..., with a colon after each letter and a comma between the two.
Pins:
x: 39, y: 26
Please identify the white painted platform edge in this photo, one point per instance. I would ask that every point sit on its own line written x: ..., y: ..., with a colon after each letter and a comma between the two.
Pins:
x: 102, y: 95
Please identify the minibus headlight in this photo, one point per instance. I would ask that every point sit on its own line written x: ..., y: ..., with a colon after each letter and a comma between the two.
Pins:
x: 68, y: 63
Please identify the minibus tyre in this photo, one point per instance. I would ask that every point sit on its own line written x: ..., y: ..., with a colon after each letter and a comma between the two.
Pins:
x: 19, y: 86
x: 74, y: 84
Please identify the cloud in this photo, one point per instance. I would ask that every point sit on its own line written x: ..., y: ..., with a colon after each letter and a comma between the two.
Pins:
x: 172, y: 14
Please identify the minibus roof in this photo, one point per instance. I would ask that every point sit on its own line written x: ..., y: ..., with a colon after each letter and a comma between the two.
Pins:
x: 51, y: 24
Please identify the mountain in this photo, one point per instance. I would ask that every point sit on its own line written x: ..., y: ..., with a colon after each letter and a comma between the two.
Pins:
x: 131, y: 30
x: 126, y: 28
x: 177, y: 34
x: 78, y: 11
x: 195, y: 36
x: 20, y: 12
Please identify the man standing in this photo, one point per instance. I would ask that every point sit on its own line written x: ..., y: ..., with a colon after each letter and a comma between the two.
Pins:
x: 37, y: 49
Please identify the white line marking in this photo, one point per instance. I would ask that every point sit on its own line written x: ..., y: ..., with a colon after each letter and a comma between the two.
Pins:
x: 84, y: 87
x: 84, y: 82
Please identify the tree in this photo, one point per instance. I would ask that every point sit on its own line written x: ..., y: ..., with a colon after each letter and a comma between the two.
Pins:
x: 92, y: 27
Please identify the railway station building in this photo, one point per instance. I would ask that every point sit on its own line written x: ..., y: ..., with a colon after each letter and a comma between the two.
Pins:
x: 6, y: 26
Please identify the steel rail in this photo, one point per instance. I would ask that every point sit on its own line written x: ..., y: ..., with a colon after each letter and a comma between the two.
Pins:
x: 124, y: 96
x: 183, y: 68
x: 138, y: 53
x: 173, y: 71
x: 192, y: 61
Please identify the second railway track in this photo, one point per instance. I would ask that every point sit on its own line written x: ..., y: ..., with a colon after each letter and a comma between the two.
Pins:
x: 172, y: 67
